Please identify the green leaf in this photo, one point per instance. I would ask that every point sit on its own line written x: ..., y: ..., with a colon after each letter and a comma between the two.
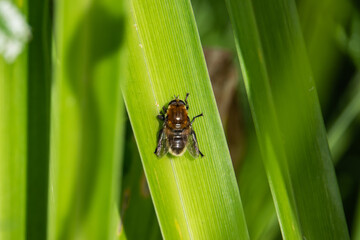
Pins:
x: 353, y: 46
x: 341, y: 131
x: 193, y: 198
x: 288, y: 120
x: 13, y: 148
x: 86, y: 127
x: 256, y: 197
x: 13, y: 140
x: 257, y: 201
x: 320, y: 22
x: 355, y: 233
x: 137, y: 210
x: 38, y: 104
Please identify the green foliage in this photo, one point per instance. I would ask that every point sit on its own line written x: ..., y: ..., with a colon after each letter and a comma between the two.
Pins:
x: 38, y: 116
x: 13, y: 133
x: 13, y: 142
x: 62, y: 120
x: 288, y: 120
x: 192, y: 197
x: 86, y: 121
x: 137, y: 210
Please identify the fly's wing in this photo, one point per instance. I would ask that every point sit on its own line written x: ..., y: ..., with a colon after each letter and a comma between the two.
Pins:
x: 192, y: 145
x: 162, y: 147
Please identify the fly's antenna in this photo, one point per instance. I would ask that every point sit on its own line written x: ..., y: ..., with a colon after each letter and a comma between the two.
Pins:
x: 187, y: 94
x: 186, y: 103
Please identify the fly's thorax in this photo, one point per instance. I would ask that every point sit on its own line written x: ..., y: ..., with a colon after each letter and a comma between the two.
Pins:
x: 177, y: 116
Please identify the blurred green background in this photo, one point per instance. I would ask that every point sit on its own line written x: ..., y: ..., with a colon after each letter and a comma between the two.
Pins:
x: 70, y: 166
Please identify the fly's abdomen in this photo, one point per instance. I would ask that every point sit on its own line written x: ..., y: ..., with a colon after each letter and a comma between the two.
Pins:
x: 177, y: 142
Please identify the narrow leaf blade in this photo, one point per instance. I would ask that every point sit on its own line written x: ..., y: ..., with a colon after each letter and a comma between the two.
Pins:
x: 193, y: 198
x: 288, y: 119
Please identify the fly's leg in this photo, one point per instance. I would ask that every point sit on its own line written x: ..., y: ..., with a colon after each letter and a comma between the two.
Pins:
x: 162, y: 146
x: 196, y: 146
x: 158, y: 147
x: 161, y: 116
x: 201, y: 154
x: 186, y: 103
x: 200, y: 115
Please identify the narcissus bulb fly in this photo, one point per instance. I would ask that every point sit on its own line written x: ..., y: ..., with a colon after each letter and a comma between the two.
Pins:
x: 177, y: 134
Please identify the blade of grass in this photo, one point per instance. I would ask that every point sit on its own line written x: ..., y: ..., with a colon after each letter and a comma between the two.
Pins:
x: 86, y: 117
x: 38, y: 103
x: 340, y: 132
x: 246, y: 33
x: 193, y: 198
x: 258, y: 204
x: 137, y: 210
x: 256, y: 197
x: 319, y: 31
x: 288, y: 120
x: 13, y: 94
x: 353, y: 46
x: 319, y: 22
x: 13, y: 148
x: 355, y: 233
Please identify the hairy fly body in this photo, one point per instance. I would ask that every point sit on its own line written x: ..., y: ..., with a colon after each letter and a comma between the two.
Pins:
x: 177, y: 134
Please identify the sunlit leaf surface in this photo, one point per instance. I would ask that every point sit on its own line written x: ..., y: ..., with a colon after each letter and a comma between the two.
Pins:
x: 193, y: 198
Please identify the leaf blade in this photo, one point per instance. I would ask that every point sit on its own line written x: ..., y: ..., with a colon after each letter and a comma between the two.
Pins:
x: 190, y: 189
x: 288, y: 119
x: 86, y: 120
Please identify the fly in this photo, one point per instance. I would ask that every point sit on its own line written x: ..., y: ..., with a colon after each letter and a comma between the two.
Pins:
x: 177, y: 134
